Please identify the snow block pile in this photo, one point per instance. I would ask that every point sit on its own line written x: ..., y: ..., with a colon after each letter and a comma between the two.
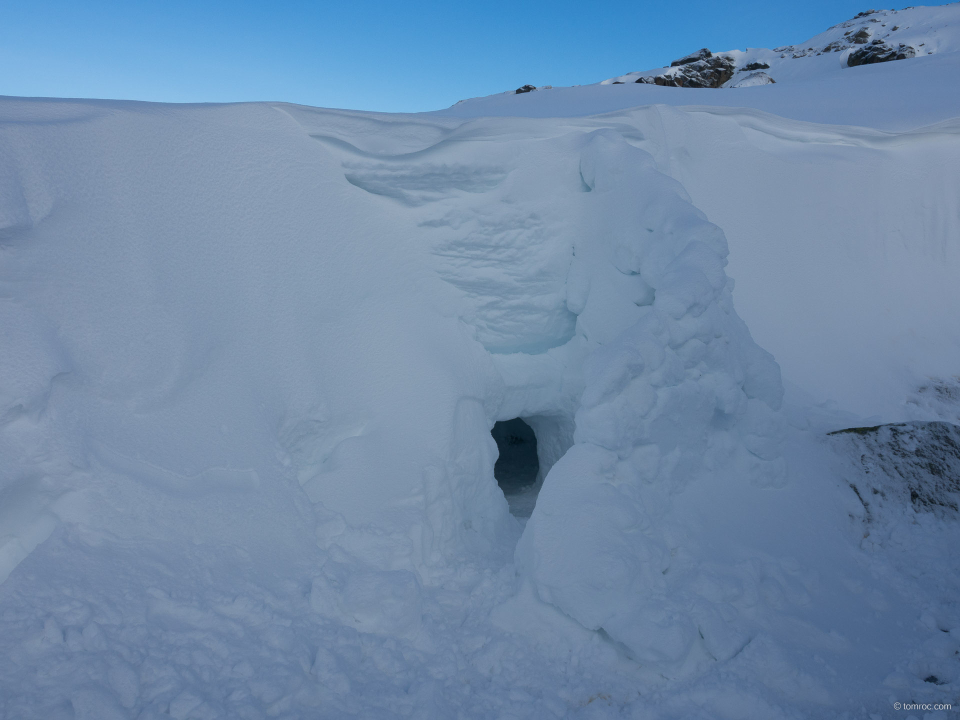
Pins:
x: 681, y: 390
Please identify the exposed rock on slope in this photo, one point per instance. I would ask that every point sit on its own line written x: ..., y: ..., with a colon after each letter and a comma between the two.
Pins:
x: 911, y: 464
x: 870, y: 37
x: 701, y: 54
x: 878, y: 52
x: 701, y: 69
x: 872, y: 30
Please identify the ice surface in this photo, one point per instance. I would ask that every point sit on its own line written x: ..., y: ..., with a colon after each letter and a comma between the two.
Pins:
x: 252, y: 354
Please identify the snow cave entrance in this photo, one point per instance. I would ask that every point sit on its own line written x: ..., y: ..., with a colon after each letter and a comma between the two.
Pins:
x: 517, y: 469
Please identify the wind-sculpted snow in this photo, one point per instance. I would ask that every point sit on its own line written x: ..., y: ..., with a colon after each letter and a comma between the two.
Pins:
x: 681, y: 389
x: 251, y: 359
x: 856, y: 300
x: 353, y: 321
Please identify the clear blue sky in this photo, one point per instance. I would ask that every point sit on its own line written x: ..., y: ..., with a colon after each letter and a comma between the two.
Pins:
x: 367, y: 54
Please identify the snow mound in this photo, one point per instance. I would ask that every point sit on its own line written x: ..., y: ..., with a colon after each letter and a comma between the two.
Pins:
x: 401, y: 286
x: 254, y: 354
x: 753, y: 79
x: 682, y: 389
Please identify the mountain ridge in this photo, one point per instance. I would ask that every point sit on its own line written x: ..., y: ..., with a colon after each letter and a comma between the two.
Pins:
x: 924, y: 30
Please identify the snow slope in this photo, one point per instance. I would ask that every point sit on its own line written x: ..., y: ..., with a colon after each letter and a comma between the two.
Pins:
x: 252, y: 353
x: 856, y: 300
x: 928, y: 30
x: 893, y: 96
x: 815, y: 86
x: 241, y: 329
x: 870, y: 275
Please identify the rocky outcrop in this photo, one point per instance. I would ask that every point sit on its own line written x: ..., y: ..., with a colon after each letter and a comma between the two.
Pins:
x: 701, y: 69
x: 878, y: 52
x: 525, y: 89
x: 910, y: 464
x: 870, y: 37
x: 701, y: 54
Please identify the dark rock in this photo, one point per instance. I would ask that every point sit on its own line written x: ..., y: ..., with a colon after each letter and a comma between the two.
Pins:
x: 617, y: 82
x: 755, y: 66
x: 710, y: 72
x: 914, y: 463
x: 701, y: 54
x: 862, y: 36
x: 647, y: 80
x: 864, y: 14
x: 878, y: 52
x: 525, y: 89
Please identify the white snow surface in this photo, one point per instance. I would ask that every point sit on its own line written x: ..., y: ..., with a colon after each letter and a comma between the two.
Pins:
x: 251, y: 355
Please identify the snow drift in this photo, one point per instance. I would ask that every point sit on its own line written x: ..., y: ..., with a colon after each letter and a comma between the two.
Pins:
x: 355, y: 319
x: 252, y: 355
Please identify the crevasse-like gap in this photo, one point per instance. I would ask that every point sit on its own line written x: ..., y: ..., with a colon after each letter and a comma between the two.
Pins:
x: 518, y: 467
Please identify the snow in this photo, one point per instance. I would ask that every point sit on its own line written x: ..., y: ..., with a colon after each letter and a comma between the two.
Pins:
x: 252, y: 355
x: 817, y: 88
x: 929, y: 30
x: 887, y: 96
x: 753, y: 79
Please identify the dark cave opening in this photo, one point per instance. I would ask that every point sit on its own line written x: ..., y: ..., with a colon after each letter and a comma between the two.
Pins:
x: 518, y: 467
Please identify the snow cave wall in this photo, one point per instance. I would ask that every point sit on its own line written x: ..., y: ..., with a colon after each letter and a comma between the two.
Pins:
x: 386, y: 289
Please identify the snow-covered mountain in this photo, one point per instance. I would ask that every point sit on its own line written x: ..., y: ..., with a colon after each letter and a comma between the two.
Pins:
x: 872, y: 36
x: 251, y: 356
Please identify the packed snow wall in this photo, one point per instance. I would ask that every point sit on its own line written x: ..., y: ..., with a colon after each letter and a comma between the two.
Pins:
x: 266, y: 325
